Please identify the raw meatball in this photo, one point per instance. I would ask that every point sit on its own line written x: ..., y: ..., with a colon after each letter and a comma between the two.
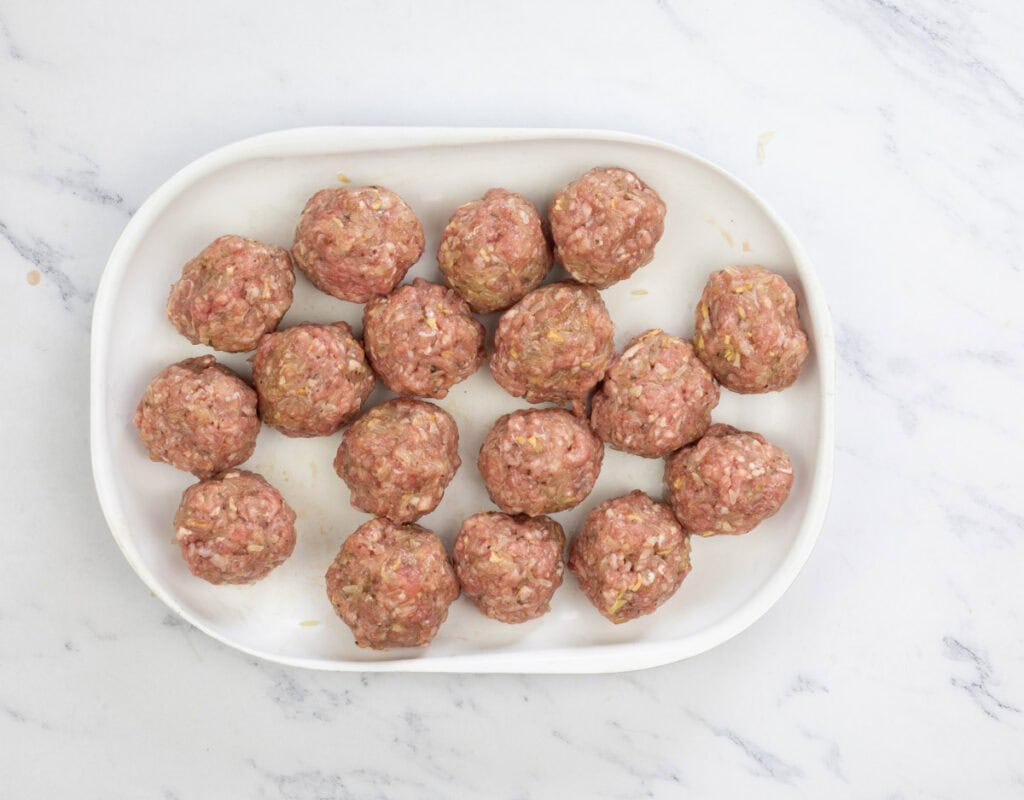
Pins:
x: 656, y: 397
x: 554, y: 345
x: 540, y: 462
x: 493, y: 250
x: 232, y: 293
x: 748, y: 331
x: 630, y: 557
x: 311, y: 379
x: 198, y: 416
x: 422, y: 339
x: 509, y: 566
x: 727, y: 482
x: 357, y: 243
x: 392, y: 584
x: 398, y: 458
x: 605, y: 225
x: 234, y: 528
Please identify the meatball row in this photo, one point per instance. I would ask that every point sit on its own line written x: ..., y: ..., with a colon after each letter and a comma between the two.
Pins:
x: 392, y: 581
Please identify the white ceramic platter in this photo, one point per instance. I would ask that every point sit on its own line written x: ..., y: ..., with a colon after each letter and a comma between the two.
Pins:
x: 257, y: 188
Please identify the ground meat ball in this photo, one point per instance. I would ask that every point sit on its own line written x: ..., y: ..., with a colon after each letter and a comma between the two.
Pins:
x: 357, y: 243
x: 656, y: 397
x: 199, y: 417
x: 493, y: 250
x: 422, y: 339
x: 398, y: 458
x: 234, y: 528
x: 311, y: 379
x: 553, y: 345
x: 509, y: 566
x: 748, y: 330
x: 605, y: 225
x: 232, y: 293
x: 630, y: 557
x: 392, y: 584
x: 540, y: 462
x: 727, y: 482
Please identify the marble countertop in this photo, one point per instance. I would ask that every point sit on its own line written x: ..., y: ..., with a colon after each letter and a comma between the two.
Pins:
x: 890, y: 136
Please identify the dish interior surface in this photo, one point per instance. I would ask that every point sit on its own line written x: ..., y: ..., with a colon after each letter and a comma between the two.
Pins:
x: 257, y: 189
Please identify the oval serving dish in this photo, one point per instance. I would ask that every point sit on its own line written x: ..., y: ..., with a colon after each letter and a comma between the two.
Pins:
x: 256, y: 188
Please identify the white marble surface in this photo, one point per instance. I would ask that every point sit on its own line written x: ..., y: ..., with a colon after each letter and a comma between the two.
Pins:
x: 894, y: 667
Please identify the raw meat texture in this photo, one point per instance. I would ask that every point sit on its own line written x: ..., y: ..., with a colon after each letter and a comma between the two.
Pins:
x: 422, y: 339
x: 554, y: 345
x: 392, y: 585
x: 398, y: 458
x: 198, y: 416
x: 630, y: 557
x: 656, y: 397
x: 357, y: 243
x: 605, y: 225
x: 493, y: 250
x: 508, y: 566
x: 540, y: 461
x: 748, y: 331
x: 727, y: 482
x: 311, y: 379
x: 234, y: 528
x: 232, y: 293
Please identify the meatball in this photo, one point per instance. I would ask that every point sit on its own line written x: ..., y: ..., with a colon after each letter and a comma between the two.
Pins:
x: 554, y: 345
x: 234, y: 528
x: 493, y: 250
x: 540, y: 462
x: 727, y: 482
x: 198, y: 416
x: 398, y: 458
x: 605, y: 225
x: 656, y: 397
x: 232, y: 293
x: 392, y: 584
x: 630, y: 557
x: 357, y: 243
x: 748, y: 331
x: 422, y: 339
x: 311, y: 379
x: 509, y: 566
